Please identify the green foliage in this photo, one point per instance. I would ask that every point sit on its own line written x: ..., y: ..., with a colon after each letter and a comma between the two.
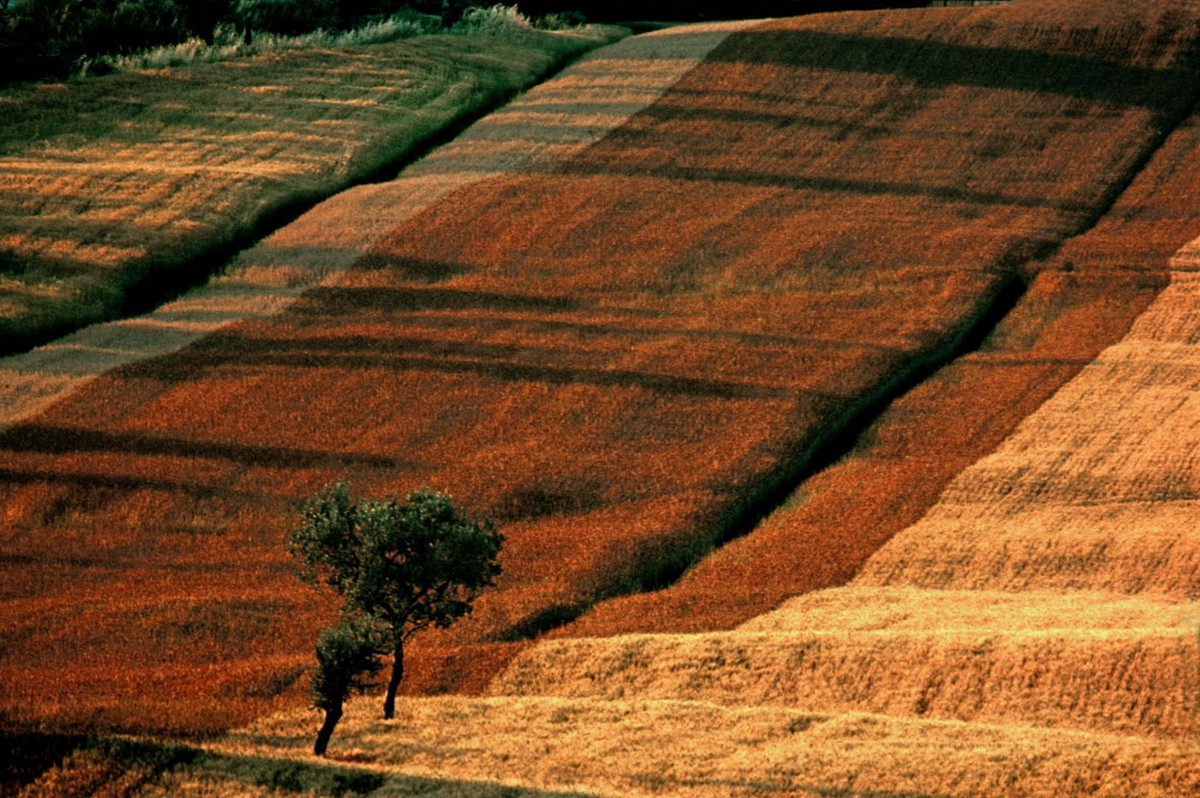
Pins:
x: 57, y: 38
x: 226, y: 43
x: 347, y: 661
x: 289, y: 16
x: 410, y: 564
x: 405, y: 566
x: 496, y: 20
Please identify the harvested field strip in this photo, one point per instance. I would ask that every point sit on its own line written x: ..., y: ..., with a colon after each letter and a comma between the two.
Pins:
x: 1084, y: 661
x: 1097, y: 490
x: 684, y: 748
x: 120, y: 191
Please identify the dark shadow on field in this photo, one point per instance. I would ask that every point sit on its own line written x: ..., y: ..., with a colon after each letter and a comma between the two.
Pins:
x: 30, y: 268
x: 46, y: 439
x: 337, y: 779
x: 116, y: 484
x: 944, y: 64
x: 339, y: 300
x: 537, y: 314
x: 664, y: 135
x: 353, y: 353
x: 29, y: 754
x: 110, y: 761
x: 322, y: 309
x: 666, y: 127
x: 786, y: 786
x: 762, y: 179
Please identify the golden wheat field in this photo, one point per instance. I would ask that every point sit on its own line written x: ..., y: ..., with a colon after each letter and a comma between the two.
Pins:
x: 833, y: 380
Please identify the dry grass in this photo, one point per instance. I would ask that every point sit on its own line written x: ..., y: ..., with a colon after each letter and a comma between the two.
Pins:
x: 1053, y: 584
x: 1097, y: 490
x: 1018, y: 635
x: 448, y: 746
x: 119, y: 188
x: 826, y: 316
x: 1087, y: 661
x: 1079, y: 301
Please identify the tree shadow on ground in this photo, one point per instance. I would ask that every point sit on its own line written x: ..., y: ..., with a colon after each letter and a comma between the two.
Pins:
x: 339, y: 779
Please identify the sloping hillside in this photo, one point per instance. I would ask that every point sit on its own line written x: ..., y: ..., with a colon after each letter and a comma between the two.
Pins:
x: 626, y: 315
x: 1033, y: 630
x: 1035, y: 633
x: 119, y: 192
x: 179, y: 567
x: 1053, y: 586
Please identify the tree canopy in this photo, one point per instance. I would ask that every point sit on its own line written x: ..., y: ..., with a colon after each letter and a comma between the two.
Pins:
x: 347, y: 660
x: 408, y: 565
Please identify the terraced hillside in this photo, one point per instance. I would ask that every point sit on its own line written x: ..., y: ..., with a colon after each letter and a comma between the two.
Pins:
x: 626, y: 315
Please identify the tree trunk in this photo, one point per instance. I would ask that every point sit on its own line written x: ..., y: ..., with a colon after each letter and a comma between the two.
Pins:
x: 389, y: 703
x: 332, y: 716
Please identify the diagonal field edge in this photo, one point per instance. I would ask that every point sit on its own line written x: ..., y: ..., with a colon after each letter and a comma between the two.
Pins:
x: 822, y: 541
x: 266, y: 279
x: 1057, y: 578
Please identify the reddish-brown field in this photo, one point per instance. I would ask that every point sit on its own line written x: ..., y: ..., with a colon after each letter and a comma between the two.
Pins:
x: 1079, y: 301
x: 618, y: 358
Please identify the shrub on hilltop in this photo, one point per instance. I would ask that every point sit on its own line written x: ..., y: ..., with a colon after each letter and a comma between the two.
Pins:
x: 56, y: 38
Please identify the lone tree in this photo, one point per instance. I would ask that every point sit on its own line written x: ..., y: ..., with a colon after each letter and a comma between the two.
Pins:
x: 347, y: 659
x: 407, y: 565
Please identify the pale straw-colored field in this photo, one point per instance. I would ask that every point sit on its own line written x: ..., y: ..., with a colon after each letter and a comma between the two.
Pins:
x: 448, y: 745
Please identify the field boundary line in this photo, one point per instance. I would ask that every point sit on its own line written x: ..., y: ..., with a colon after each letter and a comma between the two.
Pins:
x: 267, y: 278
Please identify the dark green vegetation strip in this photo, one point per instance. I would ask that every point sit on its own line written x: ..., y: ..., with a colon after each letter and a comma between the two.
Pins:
x: 118, y: 193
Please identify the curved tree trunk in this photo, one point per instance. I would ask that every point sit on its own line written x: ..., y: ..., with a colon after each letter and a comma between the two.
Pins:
x: 389, y: 703
x: 332, y: 716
